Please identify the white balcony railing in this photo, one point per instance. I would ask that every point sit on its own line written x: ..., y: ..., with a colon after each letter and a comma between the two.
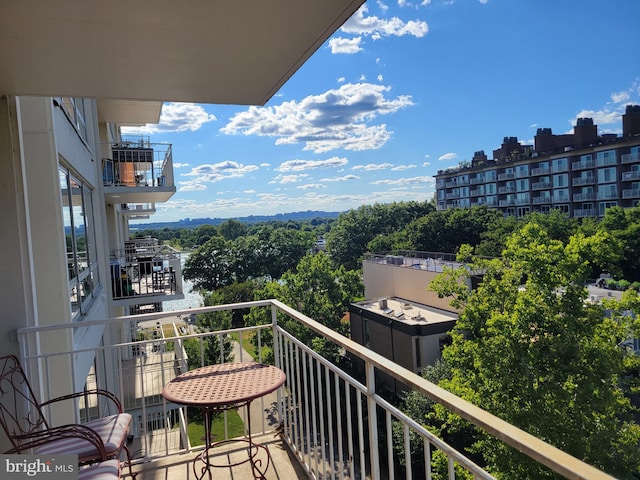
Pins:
x: 337, y: 423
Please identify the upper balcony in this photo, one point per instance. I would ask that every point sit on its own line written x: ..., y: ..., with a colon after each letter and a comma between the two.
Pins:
x: 334, y: 422
x: 145, y: 272
x: 137, y: 172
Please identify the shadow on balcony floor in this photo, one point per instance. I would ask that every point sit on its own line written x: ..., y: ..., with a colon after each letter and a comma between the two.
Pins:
x: 284, y: 465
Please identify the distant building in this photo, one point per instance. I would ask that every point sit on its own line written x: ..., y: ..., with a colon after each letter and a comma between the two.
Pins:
x: 581, y: 173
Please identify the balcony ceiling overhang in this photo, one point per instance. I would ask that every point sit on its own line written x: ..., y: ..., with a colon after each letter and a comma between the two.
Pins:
x: 122, y: 194
x: 222, y: 52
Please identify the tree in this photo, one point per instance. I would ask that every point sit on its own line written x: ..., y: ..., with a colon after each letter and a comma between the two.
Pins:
x: 445, y: 231
x: 320, y: 291
x: 210, y: 266
x: 349, y: 236
x: 529, y: 349
x: 232, y: 229
x: 624, y: 225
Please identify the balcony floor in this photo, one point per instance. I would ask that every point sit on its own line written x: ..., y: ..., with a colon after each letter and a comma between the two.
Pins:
x: 284, y: 465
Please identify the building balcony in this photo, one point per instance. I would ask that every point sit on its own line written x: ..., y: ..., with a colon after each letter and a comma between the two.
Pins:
x: 608, y: 195
x: 580, y: 181
x: 585, y: 212
x: 541, y: 200
x: 477, y: 180
x: 630, y: 158
x: 631, y: 175
x: 535, y: 172
x: 506, y: 176
x: 606, y: 161
x: 145, y: 273
x: 507, y: 203
x: 137, y: 210
x: 507, y: 190
x: 585, y: 197
x: 631, y: 193
x: 581, y: 165
x: 137, y: 172
x: 330, y: 422
x: 541, y: 186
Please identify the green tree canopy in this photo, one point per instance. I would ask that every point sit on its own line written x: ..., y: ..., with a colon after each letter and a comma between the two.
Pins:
x: 210, y: 266
x: 529, y: 348
x: 349, y: 236
x: 319, y: 290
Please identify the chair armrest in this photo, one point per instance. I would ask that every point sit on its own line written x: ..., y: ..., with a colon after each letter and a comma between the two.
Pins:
x: 96, y: 391
x: 71, y: 431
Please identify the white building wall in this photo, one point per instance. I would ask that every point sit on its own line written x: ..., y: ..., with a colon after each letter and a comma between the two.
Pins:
x: 387, y: 280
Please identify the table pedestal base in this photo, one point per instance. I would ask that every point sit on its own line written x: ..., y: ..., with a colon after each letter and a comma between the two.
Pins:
x: 204, y: 461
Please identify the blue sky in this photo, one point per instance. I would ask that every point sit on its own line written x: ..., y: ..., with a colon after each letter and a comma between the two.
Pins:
x: 402, y: 90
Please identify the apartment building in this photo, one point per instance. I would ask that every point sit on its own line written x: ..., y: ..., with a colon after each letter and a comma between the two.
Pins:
x: 71, y: 75
x: 580, y: 173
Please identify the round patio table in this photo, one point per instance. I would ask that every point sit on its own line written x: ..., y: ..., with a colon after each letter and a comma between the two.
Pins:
x: 221, y: 387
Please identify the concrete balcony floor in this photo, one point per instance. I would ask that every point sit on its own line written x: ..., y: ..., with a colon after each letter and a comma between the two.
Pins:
x: 283, y: 465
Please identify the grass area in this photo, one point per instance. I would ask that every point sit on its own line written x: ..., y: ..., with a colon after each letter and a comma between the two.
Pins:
x: 235, y: 428
x: 247, y: 344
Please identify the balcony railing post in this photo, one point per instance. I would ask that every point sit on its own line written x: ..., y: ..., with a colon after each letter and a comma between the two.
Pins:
x: 373, y: 423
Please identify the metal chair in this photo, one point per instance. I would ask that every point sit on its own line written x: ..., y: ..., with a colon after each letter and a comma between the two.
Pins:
x: 26, y: 426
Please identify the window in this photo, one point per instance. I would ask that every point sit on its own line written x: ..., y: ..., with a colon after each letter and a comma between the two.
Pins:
x: 490, y: 176
x: 418, y: 364
x: 522, y: 185
x: 560, y: 165
x: 561, y: 180
x: 522, y: 171
x: 606, y: 175
x: 80, y: 239
x: 561, y: 195
x: 607, y: 157
x: 74, y: 109
x: 602, y: 207
x: 491, y: 189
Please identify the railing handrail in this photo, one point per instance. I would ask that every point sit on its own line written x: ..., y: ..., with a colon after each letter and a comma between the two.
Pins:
x: 540, y: 451
x: 550, y: 456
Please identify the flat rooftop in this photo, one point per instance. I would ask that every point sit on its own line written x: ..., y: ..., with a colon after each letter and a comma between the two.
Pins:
x: 407, y: 312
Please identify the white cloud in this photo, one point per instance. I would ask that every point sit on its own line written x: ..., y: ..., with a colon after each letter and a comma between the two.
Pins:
x: 426, y: 164
x: 448, y: 156
x: 300, y: 165
x: 337, y: 118
x: 265, y: 165
x: 342, y: 80
x: 620, y: 97
x: 341, y: 179
x: 399, y: 168
x: 382, y: 6
x: 290, y: 178
x: 249, y: 191
x: 373, y: 166
x: 180, y: 165
x: 345, y: 45
x: 380, y: 78
x: 191, y: 186
x: 311, y: 186
x: 600, y: 117
x: 175, y: 117
x: 219, y: 171
x: 406, y: 181
x: 359, y: 24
